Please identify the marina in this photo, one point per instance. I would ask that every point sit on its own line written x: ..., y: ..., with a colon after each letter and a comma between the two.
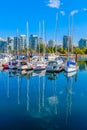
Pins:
x: 42, y: 100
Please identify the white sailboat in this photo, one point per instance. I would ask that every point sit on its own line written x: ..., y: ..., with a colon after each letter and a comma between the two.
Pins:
x: 71, y: 64
x: 41, y: 64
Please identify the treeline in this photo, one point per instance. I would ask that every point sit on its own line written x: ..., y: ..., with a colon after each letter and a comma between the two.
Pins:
x: 41, y: 48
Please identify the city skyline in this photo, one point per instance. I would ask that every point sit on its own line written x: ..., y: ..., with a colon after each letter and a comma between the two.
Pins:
x: 14, y: 15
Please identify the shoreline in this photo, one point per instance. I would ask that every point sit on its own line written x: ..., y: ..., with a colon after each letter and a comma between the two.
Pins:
x: 73, y: 55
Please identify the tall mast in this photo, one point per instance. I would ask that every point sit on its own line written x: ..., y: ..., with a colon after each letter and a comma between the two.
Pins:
x: 56, y: 32
x: 17, y: 41
x: 72, y: 31
x: 39, y: 36
x: 43, y: 31
x: 69, y: 25
x: 27, y: 38
x: 43, y: 38
x: 68, y: 34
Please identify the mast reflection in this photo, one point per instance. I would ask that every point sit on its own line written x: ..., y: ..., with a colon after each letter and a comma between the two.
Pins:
x: 71, y: 78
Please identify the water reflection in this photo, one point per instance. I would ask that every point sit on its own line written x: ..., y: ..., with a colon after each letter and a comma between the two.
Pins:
x: 19, y: 85
x: 82, y: 65
x: 28, y: 85
x: 39, y: 73
x: 51, y: 76
x: 41, y: 96
x: 13, y: 73
x: 71, y: 78
x: 8, y: 95
x: 44, y: 105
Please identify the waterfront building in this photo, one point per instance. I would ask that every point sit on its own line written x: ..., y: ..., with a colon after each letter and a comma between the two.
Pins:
x: 67, y: 41
x: 3, y: 45
x: 59, y: 46
x: 16, y: 43
x: 40, y: 40
x: 51, y: 43
x: 10, y: 43
x: 82, y: 42
x: 33, y: 40
x: 22, y: 40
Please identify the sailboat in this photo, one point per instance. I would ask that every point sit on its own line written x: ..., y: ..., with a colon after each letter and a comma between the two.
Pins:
x: 26, y: 65
x: 41, y: 64
x: 71, y: 64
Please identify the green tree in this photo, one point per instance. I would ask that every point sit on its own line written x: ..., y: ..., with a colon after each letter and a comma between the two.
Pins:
x: 86, y: 51
x: 48, y: 50
x: 83, y: 49
x: 41, y: 48
x: 78, y: 51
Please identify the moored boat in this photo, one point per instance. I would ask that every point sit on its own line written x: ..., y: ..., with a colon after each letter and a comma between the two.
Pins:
x: 53, y: 66
x: 5, y: 66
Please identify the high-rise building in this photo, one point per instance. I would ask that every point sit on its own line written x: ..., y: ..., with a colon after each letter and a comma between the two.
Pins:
x: 10, y: 43
x: 33, y: 41
x: 51, y: 43
x: 10, y: 39
x: 67, y: 42
x: 16, y: 43
x: 82, y: 42
x: 23, y: 43
x: 3, y: 45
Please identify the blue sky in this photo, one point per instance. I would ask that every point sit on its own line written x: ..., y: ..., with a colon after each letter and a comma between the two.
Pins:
x: 14, y: 14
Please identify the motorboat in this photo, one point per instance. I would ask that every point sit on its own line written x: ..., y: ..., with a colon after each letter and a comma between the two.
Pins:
x: 39, y: 67
x: 5, y: 66
x: 24, y: 66
x: 40, y: 64
x: 59, y: 60
x: 53, y: 66
x: 13, y: 64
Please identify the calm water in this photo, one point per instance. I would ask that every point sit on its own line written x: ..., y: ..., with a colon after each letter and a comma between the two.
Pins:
x: 43, y: 101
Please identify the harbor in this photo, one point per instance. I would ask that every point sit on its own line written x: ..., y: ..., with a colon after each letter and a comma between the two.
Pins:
x: 43, y: 65
x: 43, y: 100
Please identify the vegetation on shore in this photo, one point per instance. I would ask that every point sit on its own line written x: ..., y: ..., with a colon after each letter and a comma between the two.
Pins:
x: 41, y: 48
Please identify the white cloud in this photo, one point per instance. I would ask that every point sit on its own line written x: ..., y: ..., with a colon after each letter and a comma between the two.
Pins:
x: 74, y: 12
x: 54, y: 3
x: 62, y: 12
x: 85, y: 9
